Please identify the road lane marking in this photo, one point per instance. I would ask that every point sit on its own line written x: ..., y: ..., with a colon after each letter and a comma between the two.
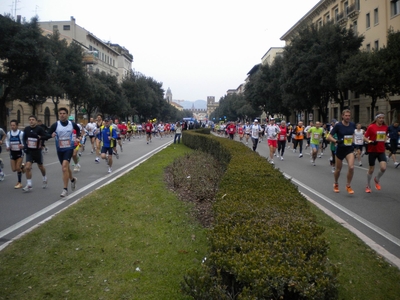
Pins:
x: 376, y: 247
x: 43, y: 211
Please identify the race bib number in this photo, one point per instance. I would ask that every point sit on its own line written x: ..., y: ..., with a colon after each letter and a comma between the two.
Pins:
x: 32, y: 143
x: 64, y: 142
x: 348, y: 140
x: 359, y: 141
x: 316, y: 136
x: 281, y: 137
x: 381, y: 136
x: 14, y: 146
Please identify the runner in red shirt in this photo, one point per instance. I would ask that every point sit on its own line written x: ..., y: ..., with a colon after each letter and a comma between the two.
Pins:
x: 148, y: 127
x: 123, y: 130
x: 231, y: 129
x: 376, y: 138
x: 282, y: 136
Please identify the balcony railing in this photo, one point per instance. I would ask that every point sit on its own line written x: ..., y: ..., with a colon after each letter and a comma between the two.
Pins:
x: 353, y: 11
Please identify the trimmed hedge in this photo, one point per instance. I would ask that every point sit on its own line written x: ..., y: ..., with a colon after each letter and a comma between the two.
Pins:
x: 265, y: 243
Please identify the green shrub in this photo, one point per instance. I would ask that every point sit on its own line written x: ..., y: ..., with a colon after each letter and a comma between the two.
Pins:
x: 265, y: 243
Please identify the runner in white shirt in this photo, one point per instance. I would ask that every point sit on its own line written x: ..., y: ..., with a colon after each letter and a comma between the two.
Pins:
x: 91, y: 127
x: 271, y: 131
x: 247, y: 131
x: 161, y: 128
x: 358, y: 142
x: 255, y: 131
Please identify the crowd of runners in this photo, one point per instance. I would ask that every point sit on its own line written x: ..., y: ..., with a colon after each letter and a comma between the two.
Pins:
x: 344, y: 140
x: 106, y: 138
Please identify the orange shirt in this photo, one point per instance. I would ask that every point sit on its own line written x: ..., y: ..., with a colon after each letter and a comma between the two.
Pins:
x: 299, y: 133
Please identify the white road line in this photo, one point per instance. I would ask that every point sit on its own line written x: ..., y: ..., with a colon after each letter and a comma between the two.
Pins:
x: 376, y: 247
x: 127, y: 168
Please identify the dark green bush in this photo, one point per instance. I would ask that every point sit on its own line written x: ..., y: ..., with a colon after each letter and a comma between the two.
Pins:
x: 265, y: 243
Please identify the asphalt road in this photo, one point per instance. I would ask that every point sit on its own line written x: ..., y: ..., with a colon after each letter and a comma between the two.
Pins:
x: 374, y: 217
x: 20, y: 212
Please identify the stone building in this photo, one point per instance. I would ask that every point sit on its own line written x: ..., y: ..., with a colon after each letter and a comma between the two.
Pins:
x: 99, y: 56
x: 370, y: 18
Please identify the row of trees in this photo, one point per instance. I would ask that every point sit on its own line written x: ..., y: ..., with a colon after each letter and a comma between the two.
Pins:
x: 319, y: 66
x: 35, y: 67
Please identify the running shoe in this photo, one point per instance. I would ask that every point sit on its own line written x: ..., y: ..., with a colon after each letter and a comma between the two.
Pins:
x: 336, y: 188
x: 367, y: 189
x: 18, y: 186
x: 271, y: 162
x: 1, y: 164
x: 281, y: 157
x: 77, y: 168
x: 97, y: 160
x: 73, y: 184
x: 64, y: 193
x: 377, y: 185
x: 333, y: 169
x: 27, y: 188
x: 360, y: 163
x: 301, y: 155
x: 44, y: 184
x: 109, y: 170
x: 396, y: 164
x: 349, y: 190
x: 2, y: 176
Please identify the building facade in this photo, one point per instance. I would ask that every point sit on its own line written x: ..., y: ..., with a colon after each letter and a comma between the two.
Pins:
x: 370, y: 18
x: 99, y: 56
x: 211, y: 105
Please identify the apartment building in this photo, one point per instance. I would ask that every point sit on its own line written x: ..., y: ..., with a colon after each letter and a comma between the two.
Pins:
x: 99, y: 56
x: 271, y: 54
x: 370, y: 18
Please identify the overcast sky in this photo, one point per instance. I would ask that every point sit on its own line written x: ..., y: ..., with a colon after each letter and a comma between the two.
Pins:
x: 198, y: 49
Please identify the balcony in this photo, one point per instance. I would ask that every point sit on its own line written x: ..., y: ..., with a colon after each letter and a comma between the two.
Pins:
x: 90, y: 57
x: 353, y: 11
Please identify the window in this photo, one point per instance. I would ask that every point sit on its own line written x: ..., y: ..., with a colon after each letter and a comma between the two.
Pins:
x: 66, y: 27
x: 376, y: 45
x: 368, y: 47
x: 327, y: 18
x: 55, y: 28
x: 357, y: 4
x: 346, y: 8
x: 47, y: 117
x: 356, y: 117
x: 394, y: 7
x: 376, y: 16
x: 19, y: 116
x: 368, y: 21
x: 336, y: 14
x: 355, y: 29
x: 319, y: 23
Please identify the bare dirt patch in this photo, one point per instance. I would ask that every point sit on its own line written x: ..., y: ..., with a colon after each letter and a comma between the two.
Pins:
x: 194, y: 178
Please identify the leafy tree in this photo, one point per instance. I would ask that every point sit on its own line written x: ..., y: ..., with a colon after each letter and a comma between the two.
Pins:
x: 366, y: 72
x: 26, y: 64
x: 390, y: 55
x: 145, y: 96
x: 312, y: 62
